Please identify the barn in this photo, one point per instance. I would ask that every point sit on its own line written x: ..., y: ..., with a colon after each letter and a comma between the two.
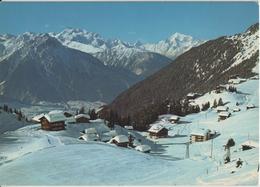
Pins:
x: 53, y: 121
x: 158, y: 131
x: 82, y: 118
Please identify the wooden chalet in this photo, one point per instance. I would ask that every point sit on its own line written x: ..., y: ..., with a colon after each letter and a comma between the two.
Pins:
x: 200, y: 136
x: 120, y: 140
x: 158, y: 131
x: 53, y: 121
x: 223, y: 115
x: 82, y: 118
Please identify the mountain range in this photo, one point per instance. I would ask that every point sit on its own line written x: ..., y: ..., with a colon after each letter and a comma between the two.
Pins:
x: 200, y: 70
x: 77, y: 64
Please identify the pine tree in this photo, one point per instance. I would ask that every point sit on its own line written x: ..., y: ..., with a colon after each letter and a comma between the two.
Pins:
x: 215, y: 104
x: 220, y: 102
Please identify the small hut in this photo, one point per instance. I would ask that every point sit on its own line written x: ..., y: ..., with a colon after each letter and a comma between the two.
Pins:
x: 249, y: 145
x: 250, y: 106
x: 53, y: 121
x: 120, y: 140
x: 223, y: 115
x: 82, y: 118
x: 158, y: 131
x: 200, y: 135
x: 237, y: 109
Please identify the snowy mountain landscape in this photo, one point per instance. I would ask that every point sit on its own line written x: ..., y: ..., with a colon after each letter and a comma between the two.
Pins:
x: 78, y: 108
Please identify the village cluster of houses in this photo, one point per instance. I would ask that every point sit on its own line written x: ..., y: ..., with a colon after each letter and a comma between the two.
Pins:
x: 57, y: 120
x: 112, y: 137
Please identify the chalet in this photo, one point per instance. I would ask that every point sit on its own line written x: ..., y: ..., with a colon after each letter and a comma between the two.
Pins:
x: 250, y: 106
x: 237, y: 109
x: 220, y: 88
x: 158, y: 131
x: 120, y: 140
x: 143, y: 148
x: 223, y: 115
x: 89, y: 134
x: 193, y: 95
x: 236, y: 81
x: 222, y: 109
x: 249, y: 145
x: 82, y: 118
x: 174, y: 119
x: 200, y: 135
x: 53, y: 121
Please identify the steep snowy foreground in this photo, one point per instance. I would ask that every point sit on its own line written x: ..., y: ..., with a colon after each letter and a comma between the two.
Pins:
x: 30, y: 156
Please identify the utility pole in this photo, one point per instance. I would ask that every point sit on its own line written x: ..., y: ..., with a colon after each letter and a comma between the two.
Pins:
x: 187, y: 150
x: 211, y: 150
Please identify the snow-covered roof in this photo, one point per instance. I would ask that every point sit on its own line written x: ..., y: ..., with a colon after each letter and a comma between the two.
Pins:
x: 38, y: 117
x: 55, y: 116
x: 250, y: 105
x: 129, y: 127
x: 121, y: 138
x: 236, y: 81
x: 250, y: 143
x: 224, y: 114
x: 222, y: 108
x: 82, y: 115
x: 174, y: 118
x: 156, y: 128
x: 237, y: 109
x: 90, y: 131
x: 143, y: 148
x: 200, y: 132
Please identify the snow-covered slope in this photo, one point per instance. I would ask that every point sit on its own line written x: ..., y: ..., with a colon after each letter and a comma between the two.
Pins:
x: 58, y: 158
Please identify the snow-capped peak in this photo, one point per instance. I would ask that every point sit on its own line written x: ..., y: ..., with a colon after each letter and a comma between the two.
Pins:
x: 178, y: 37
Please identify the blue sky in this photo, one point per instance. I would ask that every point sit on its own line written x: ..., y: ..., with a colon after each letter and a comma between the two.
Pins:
x: 131, y: 21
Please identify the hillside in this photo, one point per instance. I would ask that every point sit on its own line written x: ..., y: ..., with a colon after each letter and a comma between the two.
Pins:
x: 58, y: 158
x: 200, y: 70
